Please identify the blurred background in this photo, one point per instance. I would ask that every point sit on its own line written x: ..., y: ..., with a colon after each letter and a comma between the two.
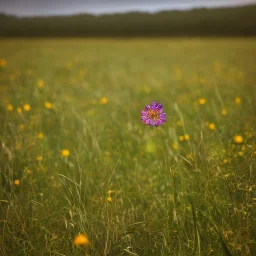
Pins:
x: 104, y: 18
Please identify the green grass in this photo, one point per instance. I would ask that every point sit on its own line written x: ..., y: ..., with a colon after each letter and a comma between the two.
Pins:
x: 169, y: 197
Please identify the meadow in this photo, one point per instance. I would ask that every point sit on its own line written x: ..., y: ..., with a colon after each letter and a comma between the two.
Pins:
x: 82, y: 175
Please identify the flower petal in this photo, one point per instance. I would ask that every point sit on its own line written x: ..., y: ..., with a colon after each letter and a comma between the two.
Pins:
x: 154, y: 104
x: 147, y: 121
x: 143, y: 112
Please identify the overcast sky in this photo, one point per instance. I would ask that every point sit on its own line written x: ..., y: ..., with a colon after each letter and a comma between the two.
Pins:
x: 58, y: 7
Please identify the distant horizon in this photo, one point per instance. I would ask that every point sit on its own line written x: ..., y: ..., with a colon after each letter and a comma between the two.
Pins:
x: 111, y: 10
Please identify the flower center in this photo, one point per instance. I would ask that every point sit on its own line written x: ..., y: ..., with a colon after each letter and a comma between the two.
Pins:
x: 153, y: 114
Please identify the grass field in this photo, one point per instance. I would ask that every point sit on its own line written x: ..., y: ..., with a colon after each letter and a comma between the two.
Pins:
x: 76, y: 159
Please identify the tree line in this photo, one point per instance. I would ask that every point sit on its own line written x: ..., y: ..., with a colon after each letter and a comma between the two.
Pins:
x: 236, y: 21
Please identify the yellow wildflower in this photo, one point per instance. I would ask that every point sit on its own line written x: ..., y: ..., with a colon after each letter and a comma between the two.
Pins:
x: 17, y: 182
x: 65, y: 152
x: 190, y: 156
x: 111, y: 192
x: 26, y: 107
x: 9, y: 107
x: 40, y: 83
x: 109, y: 199
x: 48, y: 105
x: 19, y: 110
x: 40, y: 135
x: 27, y: 171
x: 39, y: 158
x: 81, y: 239
x: 225, y: 161
x: 211, y: 126
x: 175, y: 146
x: 104, y: 101
x: 2, y: 63
x: 181, y: 138
x: 224, y: 112
x: 238, y: 139
x: 238, y: 100
x: 202, y: 101
x: 186, y: 137
x: 240, y: 153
